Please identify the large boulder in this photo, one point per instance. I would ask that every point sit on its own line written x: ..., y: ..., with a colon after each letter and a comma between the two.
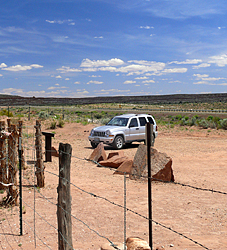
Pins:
x: 114, y: 162
x: 124, y: 168
x: 161, y: 165
x: 137, y: 244
x: 107, y: 246
x: 119, y: 153
x: 98, y: 154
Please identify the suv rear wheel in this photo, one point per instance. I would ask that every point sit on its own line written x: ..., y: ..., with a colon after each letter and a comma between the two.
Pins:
x: 118, y: 142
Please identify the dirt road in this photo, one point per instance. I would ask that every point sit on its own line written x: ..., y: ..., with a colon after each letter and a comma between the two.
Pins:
x: 199, y: 159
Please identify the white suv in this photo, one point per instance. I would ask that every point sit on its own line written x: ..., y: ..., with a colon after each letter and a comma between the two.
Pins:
x: 122, y: 129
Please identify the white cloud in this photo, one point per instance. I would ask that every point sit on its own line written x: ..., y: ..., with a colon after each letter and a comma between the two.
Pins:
x: 67, y: 79
x: 95, y: 82
x: 3, y: 65
x: 129, y: 82
x: 188, y: 61
x: 65, y: 69
x: 99, y: 63
x: 1, y: 75
x: 200, y: 76
x: 21, y: 68
x: 63, y: 87
x: 202, y: 65
x: 98, y: 37
x: 146, y: 27
x: 76, y: 82
x: 141, y: 78
x: 58, y: 77
x: 210, y: 84
x: 175, y: 70
x: 148, y: 81
x: 221, y: 60
x: 95, y: 76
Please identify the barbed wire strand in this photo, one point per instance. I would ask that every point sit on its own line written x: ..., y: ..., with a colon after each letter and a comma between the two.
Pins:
x: 112, y: 244
x: 130, y: 210
x: 11, y: 227
x: 155, y: 179
x: 37, y: 235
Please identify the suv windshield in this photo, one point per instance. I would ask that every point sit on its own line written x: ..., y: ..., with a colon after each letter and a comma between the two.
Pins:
x: 118, y: 121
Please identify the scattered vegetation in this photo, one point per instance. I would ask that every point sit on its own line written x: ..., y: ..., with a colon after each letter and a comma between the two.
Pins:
x: 185, y: 115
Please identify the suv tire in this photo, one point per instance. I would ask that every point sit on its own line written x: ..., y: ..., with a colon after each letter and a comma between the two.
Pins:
x: 118, y: 142
x: 94, y: 145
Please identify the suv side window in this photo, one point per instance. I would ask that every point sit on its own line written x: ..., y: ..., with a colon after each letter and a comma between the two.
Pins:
x: 133, y: 123
x: 142, y: 121
x: 150, y: 120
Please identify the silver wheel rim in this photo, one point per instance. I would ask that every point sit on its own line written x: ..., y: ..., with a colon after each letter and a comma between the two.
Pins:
x: 119, y: 142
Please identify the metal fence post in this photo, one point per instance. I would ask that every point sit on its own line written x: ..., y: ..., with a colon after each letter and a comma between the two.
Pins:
x: 148, y: 138
x: 20, y: 190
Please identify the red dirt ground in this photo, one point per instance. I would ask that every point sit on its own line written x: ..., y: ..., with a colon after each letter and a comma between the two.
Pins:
x: 199, y: 159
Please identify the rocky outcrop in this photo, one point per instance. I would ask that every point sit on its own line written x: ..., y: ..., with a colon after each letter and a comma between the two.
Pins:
x: 114, y: 162
x: 98, y: 154
x: 124, y: 168
x: 161, y: 165
x: 137, y: 244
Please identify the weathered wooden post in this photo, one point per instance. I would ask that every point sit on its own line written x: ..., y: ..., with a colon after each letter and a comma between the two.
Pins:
x: 12, y: 197
x: 3, y: 169
x: 39, y: 157
x: 64, y: 199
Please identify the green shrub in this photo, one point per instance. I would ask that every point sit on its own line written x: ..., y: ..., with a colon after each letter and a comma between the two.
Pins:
x: 210, y: 118
x: 61, y: 123
x: 223, y: 124
x: 5, y: 112
x: 203, y: 123
x: 53, y: 124
x: 43, y: 115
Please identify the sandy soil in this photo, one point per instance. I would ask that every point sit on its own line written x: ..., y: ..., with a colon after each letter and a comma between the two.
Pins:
x: 199, y: 159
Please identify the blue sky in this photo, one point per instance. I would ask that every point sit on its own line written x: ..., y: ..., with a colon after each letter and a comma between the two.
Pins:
x: 82, y: 48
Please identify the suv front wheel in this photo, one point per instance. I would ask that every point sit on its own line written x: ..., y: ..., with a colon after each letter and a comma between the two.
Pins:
x: 118, y: 142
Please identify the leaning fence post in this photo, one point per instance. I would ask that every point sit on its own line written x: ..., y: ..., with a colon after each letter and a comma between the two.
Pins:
x: 12, y: 145
x: 3, y: 169
x: 64, y: 199
x: 39, y: 157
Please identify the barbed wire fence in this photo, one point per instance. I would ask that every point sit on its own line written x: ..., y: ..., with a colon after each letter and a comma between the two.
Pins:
x: 28, y: 154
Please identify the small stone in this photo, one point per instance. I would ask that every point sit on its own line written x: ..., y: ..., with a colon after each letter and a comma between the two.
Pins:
x: 171, y: 245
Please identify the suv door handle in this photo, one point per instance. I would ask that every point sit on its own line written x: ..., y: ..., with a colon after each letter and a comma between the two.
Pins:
x: 137, y: 128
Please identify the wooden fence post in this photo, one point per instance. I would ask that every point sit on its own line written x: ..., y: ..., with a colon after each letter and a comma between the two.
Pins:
x: 3, y: 169
x: 39, y: 157
x: 12, y: 197
x: 64, y: 199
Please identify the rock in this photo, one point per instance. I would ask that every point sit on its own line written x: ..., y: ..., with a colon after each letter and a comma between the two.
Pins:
x: 120, y: 153
x: 98, y: 154
x: 137, y: 244
x: 114, y: 162
x: 54, y: 152
x: 161, y: 165
x: 125, y: 167
x: 107, y: 246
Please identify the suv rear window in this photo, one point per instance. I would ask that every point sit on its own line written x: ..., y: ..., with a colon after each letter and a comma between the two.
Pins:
x: 142, y: 121
x: 150, y: 120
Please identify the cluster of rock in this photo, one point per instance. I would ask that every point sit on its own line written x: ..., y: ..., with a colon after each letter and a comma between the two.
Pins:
x: 131, y: 244
x: 161, y: 164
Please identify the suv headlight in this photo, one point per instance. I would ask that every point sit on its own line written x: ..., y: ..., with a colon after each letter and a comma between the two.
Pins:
x: 92, y: 132
x: 107, y: 133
